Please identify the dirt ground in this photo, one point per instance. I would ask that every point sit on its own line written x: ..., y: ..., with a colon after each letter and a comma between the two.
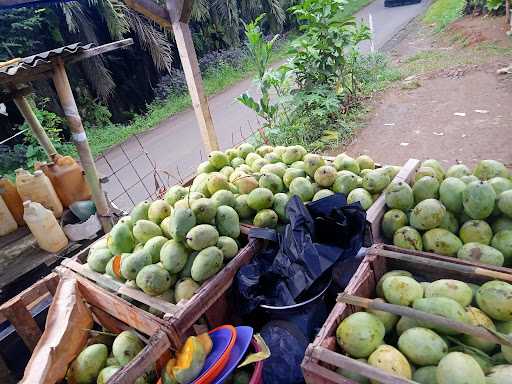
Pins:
x: 458, y: 110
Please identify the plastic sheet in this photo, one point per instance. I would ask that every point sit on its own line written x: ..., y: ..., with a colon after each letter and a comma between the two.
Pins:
x: 327, y: 232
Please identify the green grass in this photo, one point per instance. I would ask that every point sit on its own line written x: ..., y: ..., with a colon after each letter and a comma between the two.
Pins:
x: 443, y: 12
x: 435, y: 60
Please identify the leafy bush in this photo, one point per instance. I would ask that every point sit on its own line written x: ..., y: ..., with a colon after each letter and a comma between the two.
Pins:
x: 310, y: 99
x: 326, y: 52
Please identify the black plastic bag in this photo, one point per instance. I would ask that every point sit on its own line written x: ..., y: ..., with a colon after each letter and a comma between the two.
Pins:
x: 328, y: 231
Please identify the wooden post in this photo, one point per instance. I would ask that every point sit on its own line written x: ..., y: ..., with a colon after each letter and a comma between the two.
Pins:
x: 507, y: 13
x: 195, y: 84
x: 34, y: 124
x: 179, y: 11
x: 65, y: 94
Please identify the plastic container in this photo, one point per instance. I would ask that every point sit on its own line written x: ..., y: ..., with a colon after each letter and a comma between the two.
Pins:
x: 44, y: 227
x: 7, y: 222
x: 309, y: 314
x: 12, y: 199
x: 67, y: 178
x: 38, y: 188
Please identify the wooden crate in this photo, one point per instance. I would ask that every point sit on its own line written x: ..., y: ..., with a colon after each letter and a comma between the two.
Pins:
x: 323, y: 356
x: 376, y: 211
x: 210, y: 300
x: 108, y: 310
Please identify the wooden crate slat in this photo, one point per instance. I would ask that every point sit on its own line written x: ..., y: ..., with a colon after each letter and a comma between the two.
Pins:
x: 320, y: 375
x: 21, y: 319
x: 342, y: 361
x: 453, y: 266
x: 113, y: 305
x: 191, y: 310
x: 119, y: 287
x: 157, y: 346
x: 378, y: 208
x: 31, y: 296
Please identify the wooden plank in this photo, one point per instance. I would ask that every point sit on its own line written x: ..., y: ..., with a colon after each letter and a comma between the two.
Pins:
x: 317, y: 374
x: 341, y: 361
x: 376, y: 211
x: 119, y: 288
x: 157, y: 346
x: 191, y: 310
x: 421, y: 316
x: 152, y: 11
x: 115, y: 306
x: 451, y: 266
x: 190, y: 66
x: 31, y: 296
x: 21, y: 319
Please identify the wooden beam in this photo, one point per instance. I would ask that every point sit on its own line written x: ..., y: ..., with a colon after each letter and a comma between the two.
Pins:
x: 151, y: 10
x: 180, y: 10
x: 67, y: 100
x: 34, y: 124
x: 21, y: 319
x: 190, y: 65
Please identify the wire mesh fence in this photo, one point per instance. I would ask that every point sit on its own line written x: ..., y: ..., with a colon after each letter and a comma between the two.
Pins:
x: 130, y: 173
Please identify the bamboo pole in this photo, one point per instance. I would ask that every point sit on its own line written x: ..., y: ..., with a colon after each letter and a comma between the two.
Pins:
x: 35, y: 126
x: 65, y: 94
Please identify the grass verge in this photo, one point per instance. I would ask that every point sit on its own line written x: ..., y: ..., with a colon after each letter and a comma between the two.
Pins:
x: 443, y: 12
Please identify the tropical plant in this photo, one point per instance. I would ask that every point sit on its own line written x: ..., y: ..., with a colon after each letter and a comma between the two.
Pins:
x: 260, y: 51
x: 326, y: 52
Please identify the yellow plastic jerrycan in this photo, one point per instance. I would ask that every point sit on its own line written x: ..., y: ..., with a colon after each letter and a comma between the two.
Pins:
x: 38, y: 188
x: 7, y: 222
x: 44, y: 226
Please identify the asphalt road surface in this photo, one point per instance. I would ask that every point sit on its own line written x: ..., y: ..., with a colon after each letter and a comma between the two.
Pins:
x: 174, y: 146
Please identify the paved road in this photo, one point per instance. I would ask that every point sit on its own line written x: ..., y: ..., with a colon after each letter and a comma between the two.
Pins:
x: 175, y: 144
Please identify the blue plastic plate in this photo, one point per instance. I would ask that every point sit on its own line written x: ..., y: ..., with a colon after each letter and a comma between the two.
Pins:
x: 243, y: 340
x: 220, y: 339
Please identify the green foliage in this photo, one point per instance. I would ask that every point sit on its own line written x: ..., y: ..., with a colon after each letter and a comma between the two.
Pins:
x: 312, y: 99
x: 326, y: 51
x: 260, y: 51
x: 443, y: 12
x: 53, y: 125
x: 495, y: 5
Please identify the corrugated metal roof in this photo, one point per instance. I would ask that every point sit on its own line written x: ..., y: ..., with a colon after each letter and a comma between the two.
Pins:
x: 31, y: 63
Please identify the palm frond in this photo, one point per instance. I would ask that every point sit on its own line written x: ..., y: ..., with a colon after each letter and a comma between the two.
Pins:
x: 112, y: 12
x: 200, y: 10
x: 276, y: 14
x: 151, y: 39
x: 79, y: 22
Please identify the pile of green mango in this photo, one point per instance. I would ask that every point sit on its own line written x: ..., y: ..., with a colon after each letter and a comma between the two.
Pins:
x: 454, y: 212
x: 258, y: 182
x: 103, y: 357
x: 168, y: 247
x: 422, y: 351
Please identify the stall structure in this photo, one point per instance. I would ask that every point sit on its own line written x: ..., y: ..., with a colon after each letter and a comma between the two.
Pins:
x: 21, y: 263
x: 15, y: 74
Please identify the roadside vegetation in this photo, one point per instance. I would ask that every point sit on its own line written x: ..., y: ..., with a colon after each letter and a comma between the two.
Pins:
x: 223, y: 62
x: 315, y: 99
